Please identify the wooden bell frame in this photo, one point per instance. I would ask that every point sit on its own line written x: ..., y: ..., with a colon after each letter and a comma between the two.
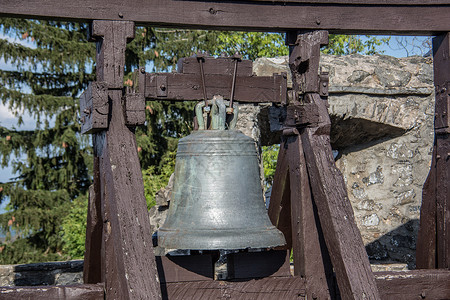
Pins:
x: 309, y: 200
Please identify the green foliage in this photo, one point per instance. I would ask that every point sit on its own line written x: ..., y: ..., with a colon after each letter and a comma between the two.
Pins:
x: 269, y: 158
x: 74, y: 228
x: 157, y: 178
x: 353, y: 44
x: 52, y: 66
x: 251, y: 45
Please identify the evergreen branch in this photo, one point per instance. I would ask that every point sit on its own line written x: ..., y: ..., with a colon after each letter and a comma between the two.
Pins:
x: 57, y: 58
x: 68, y: 84
x: 35, y: 105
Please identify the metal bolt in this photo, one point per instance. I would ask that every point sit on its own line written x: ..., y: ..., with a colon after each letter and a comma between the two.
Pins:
x: 443, y: 90
x: 422, y: 295
x: 318, y: 21
x: 120, y: 15
x: 142, y: 70
x: 212, y: 11
x: 162, y: 87
x: 324, y: 84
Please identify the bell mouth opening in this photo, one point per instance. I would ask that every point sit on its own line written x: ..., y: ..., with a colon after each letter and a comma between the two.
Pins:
x: 220, y: 239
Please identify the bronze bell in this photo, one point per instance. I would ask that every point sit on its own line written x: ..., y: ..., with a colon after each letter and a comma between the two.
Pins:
x: 217, y: 198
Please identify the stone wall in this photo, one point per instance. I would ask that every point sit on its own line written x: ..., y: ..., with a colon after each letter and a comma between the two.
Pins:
x: 382, y: 128
x: 49, y: 273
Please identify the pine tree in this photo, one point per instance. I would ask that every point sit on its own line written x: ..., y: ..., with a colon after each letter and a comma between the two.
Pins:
x: 52, y: 162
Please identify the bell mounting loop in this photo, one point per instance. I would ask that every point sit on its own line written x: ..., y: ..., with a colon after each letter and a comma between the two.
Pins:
x: 215, y: 114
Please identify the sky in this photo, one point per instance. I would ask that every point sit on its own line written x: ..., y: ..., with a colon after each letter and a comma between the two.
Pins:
x: 398, y: 47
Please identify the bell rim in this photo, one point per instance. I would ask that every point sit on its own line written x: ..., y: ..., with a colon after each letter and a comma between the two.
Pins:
x: 224, y: 239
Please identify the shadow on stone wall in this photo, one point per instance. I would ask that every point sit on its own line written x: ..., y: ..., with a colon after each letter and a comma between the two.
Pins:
x: 396, y: 246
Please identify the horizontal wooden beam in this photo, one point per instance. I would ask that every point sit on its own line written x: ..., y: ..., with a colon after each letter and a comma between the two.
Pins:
x: 366, y: 2
x: 403, y: 285
x: 73, y: 292
x: 416, y: 17
x: 188, y: 87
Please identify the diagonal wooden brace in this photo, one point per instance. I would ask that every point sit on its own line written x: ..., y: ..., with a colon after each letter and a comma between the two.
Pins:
x: 335, y: 215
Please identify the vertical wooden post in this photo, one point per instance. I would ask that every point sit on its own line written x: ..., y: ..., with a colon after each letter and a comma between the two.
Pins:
x: 127, y: 264
x: 433, y: 243
x: 342, y: 237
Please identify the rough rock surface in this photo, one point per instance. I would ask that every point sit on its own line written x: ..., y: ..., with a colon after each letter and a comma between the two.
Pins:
x: 49, y: 273
x: 382, y: 126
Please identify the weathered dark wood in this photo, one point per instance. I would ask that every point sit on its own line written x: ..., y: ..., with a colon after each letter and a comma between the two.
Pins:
x: 94, y: 108
x: 68, y: 292
x: 269, y: 288
x: 415, y: 284
x: 250, y: 265
x: 311, y: 258
x: 366, y: 2
x: 92, y: 268
x: 441, y: 62
x: 185, y: 268
x: 433, y: 245
x: 403, y: 285
x: 342, y: 236
x: 129, y: 269
x: 416, y: 17
x: 302, y: 115
x: 443, y: 200
x: 188, y: 87
x: 343, y: 239
x: 215, y: 66
x: 279, y: 207
x: 304, y: 61
x: 134, y: 108
x: 426, y: 240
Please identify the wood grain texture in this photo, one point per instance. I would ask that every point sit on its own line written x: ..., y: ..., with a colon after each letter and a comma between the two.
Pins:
x: 280, y: 203
x: 92, y: 267
x: 415, y: 17
x: 215, y: 66
x: 426, y: 239
x: 74, y: 292
x: 188, y: 87
x: 94, y: 108
x: 368, y: 2
x: 269, y: 288
x: 443, y: 201
x: 342, y: 236
x: 433, y: 245
x: 129, y: 268
x: 415, y: 284
x: 403, y: 285
x: 311, y: 258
